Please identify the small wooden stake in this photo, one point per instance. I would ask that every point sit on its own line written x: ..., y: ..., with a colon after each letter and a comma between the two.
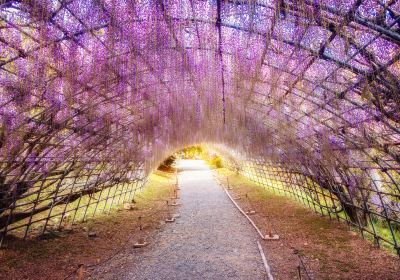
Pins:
x: 80, y: 272
x: 227, y: 181
x: 140, y: 223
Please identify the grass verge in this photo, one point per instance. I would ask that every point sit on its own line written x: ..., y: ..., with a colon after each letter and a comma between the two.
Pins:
x: 61, y: 253
x: 327, y: 247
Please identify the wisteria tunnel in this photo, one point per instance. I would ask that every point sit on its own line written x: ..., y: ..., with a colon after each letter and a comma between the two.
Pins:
x: 297, y: 95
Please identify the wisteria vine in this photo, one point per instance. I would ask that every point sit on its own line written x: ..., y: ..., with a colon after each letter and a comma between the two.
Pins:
x: 96, y: 93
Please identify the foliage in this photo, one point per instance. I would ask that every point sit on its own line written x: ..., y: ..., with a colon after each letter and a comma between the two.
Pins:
x: 216, y: 161
x: 192, y: 152
x: 167, y: 164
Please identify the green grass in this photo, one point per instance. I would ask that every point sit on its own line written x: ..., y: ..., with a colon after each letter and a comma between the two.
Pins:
x: 97, y: 205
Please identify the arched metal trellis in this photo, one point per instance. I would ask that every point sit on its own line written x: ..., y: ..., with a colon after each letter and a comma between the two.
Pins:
x: 94, y: 93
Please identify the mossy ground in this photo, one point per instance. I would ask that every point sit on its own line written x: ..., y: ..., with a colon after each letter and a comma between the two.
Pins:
x: 328, y: 248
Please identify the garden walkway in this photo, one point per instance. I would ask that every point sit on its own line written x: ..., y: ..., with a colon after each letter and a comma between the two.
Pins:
x: 210, y: 239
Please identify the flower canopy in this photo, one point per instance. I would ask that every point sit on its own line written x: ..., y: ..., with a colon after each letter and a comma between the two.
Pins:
x: 95, y: 93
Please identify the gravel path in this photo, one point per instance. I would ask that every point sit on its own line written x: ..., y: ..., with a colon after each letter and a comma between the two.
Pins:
x: 211, y: 240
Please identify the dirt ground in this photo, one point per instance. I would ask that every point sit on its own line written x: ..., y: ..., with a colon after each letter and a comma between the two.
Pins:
x: 327, y: 248
x: 60, y: 256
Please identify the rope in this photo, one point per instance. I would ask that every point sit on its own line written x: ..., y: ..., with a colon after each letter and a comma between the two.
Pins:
x: 301, y: 262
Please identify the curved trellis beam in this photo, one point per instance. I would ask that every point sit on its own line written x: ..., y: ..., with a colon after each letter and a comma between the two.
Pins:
x: 96, y: 93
